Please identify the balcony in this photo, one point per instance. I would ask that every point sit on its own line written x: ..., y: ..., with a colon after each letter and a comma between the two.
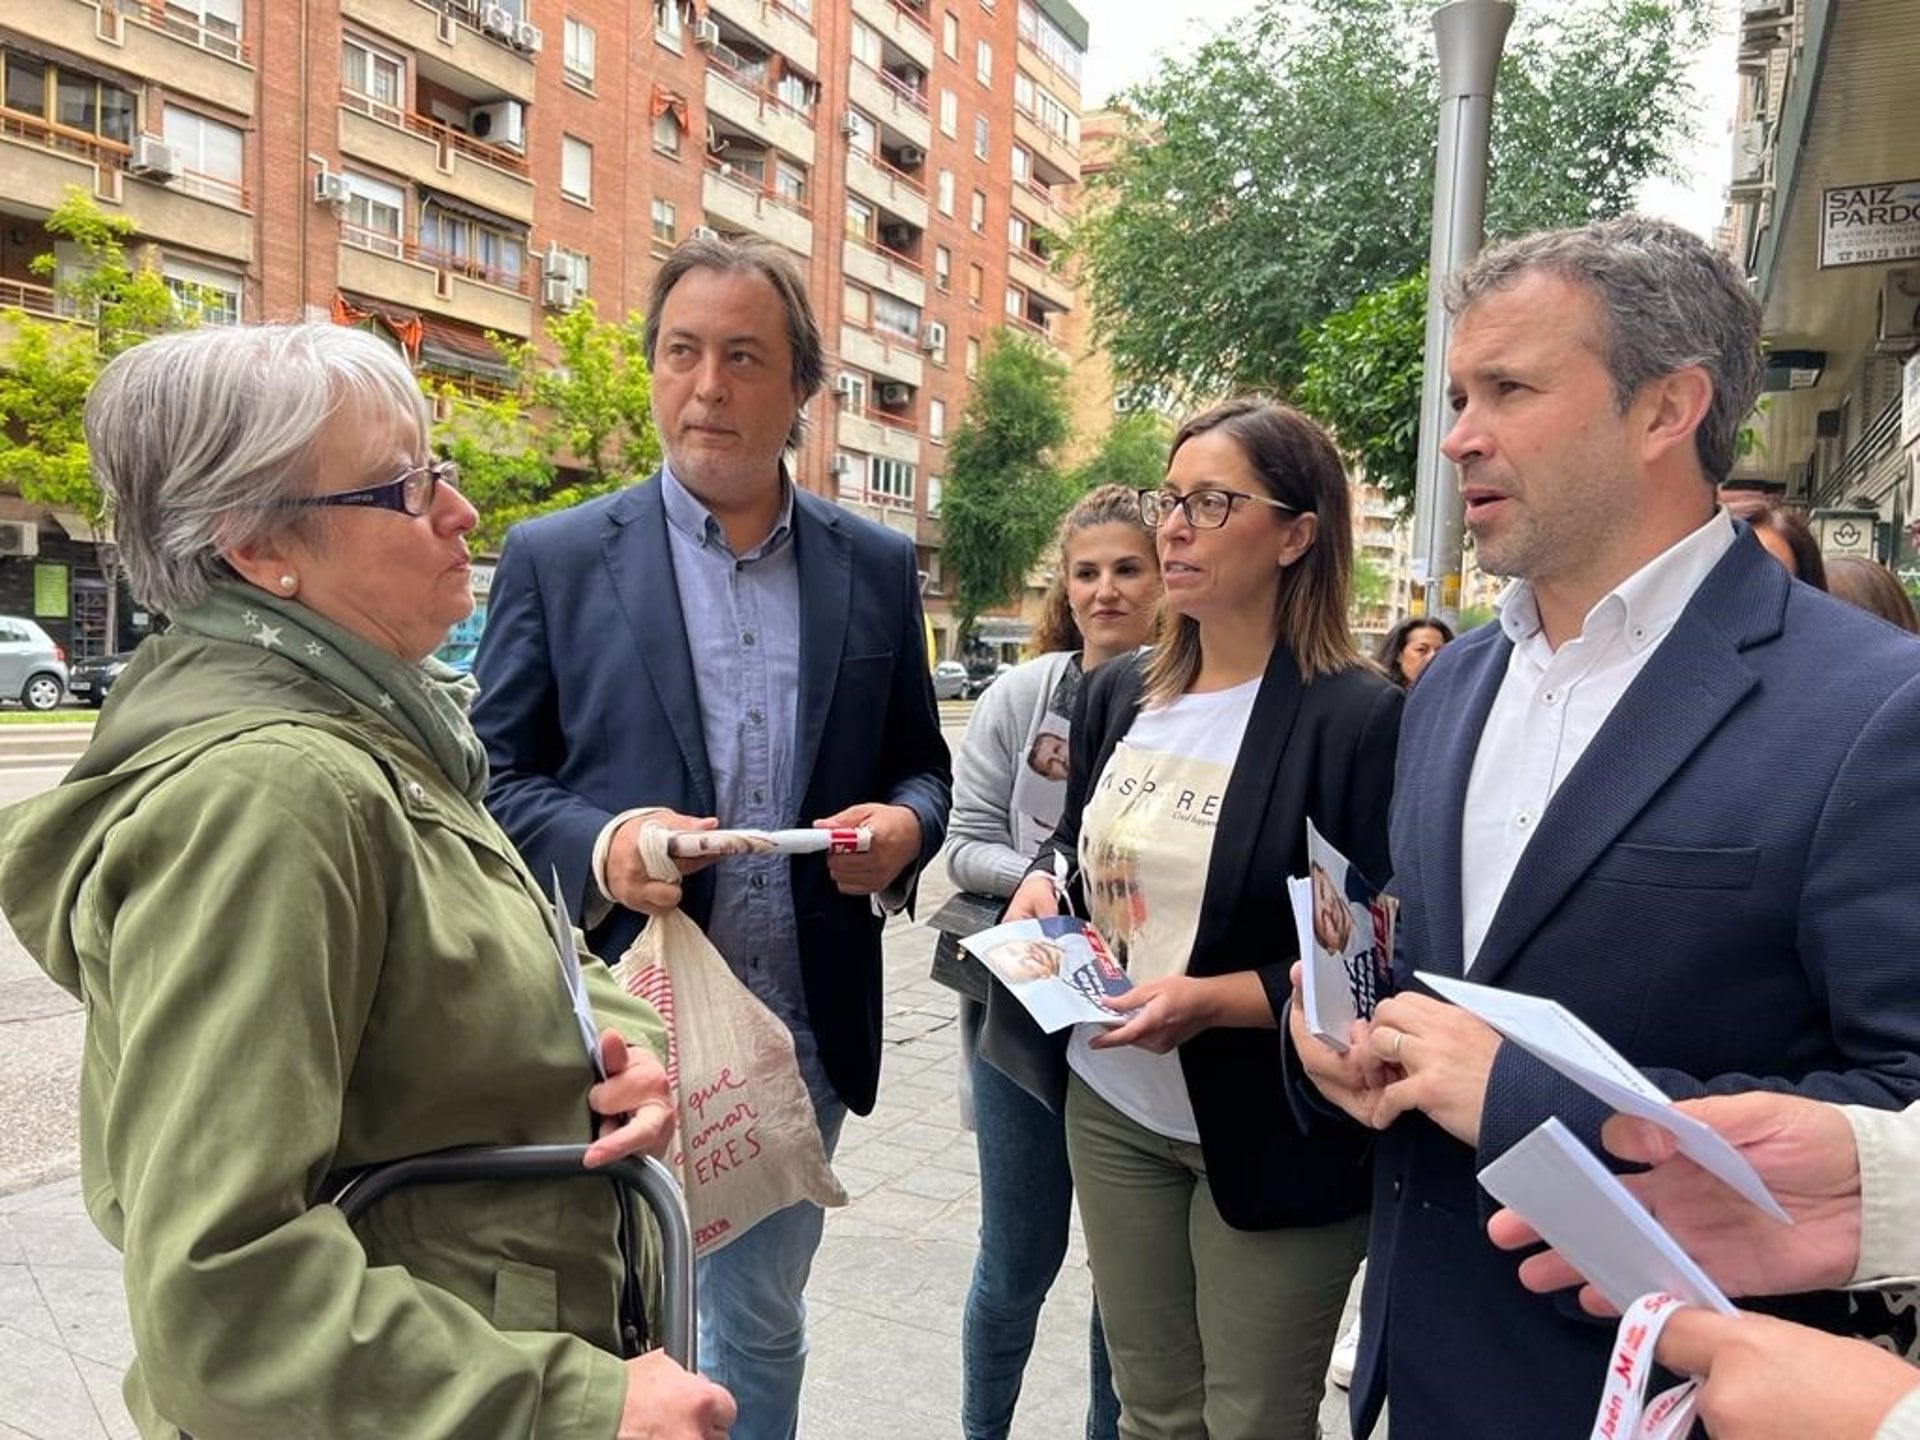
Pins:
x: 877, y: 434
x: 193, y: 210
x: 774, y: 27
x: 883, y: 269
x: 387, y: 268
x: 1035, y: 201
x: 739, y: 202
x: 871, y: 177
x: 1056, y: 160
x: 149, y: 41
x: 1032, y: 273
x: 901, y: 25
x: 421, y: 148
x: 887, y: 510
x: 760, y: 113
x: 889, y: 356
x: 447, y: 35
x: 895, y: 105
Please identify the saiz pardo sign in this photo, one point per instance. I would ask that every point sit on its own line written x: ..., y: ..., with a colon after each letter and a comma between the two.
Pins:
x: 1870, y: 224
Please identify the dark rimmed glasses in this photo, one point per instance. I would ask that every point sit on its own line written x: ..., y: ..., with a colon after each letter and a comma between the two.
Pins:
x: 1205, y: 509
x: 410, y: 492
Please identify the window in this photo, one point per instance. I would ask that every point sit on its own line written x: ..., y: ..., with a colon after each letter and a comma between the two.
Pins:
x: 866, y: 44
x: 1047, y: 112
x: 855, y: 306
x: 852, y: 386
x: 976, y: 283
x: 949, y: 113
x: 1016, y: 232
x: 973, y: 357
x: 796, y: 91
x: 668, y: 22
x: 983, y: 62
x: 490, y: 253
x: 862, y: 133
x: 943, y: 192
x: 1039, y: 31
x: 200, y: 292
x: 215, y: 24
x: 942, y: 267
x: 981, y: 136
x: 666, y: 222
x: 209, y: 154
x: 859, y: 219
x: 934, y: 580
x: 890, y: 480
x: 78, y: 102
x: 977, y: 213
x: 1016, y: 302
x: 577, y: 53
x: 374, y: 214
x: 1022, y: 164
x: 375, y: 75
x: 892, y: 313
x: 950, y: 35
x: 790, y: 185
x: 936, y: 419
x: 666, y: 133
x: 576, y: 169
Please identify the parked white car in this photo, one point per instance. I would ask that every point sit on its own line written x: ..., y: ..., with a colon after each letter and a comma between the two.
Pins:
x: 949, y: 680
x: 33, y: 670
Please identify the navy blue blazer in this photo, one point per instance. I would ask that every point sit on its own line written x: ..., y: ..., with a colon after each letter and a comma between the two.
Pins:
x: 1726, y: 887
x: 588, y: 707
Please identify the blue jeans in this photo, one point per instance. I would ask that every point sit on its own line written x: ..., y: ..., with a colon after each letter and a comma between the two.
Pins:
x: 753, y: 1318
x: 1026, y: 1199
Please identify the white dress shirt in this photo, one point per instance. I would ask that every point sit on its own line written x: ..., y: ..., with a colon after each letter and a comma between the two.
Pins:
x: 1553, y: 702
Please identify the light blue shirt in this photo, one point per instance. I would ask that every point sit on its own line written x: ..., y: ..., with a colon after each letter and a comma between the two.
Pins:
x: 742, y: 616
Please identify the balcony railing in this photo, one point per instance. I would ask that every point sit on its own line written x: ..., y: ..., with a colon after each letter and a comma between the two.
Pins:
x: 183, y: 26
x: 35, y: 131
x: 723, y: 69
x: 896, y: 176
x: 900, y: 88
x: 33, y: 299
x: 442, y: 135
x: 212, y: 187
x: 731, y: 174
x: 891, y: 257
x: 396, y: 247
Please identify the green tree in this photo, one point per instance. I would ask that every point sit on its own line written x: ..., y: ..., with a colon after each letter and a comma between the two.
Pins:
x: 505, y: 468
x: 1284, y: 170
x: 1360, y: 376
x: 596, y: 395
x: 47, y: 367
x: 1133, y: 453
x: 1003, y: 492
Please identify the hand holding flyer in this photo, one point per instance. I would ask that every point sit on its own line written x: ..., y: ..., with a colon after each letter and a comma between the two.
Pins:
x: 701, y: 844
x: 1346, y: 941
x: 1057, y: 966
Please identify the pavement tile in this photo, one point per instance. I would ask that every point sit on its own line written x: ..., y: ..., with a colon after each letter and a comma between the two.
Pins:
x: 51, y: 1238
x: 103, y: 1384
x: 23, y: 1310
x: 935, y: 1183
x: 42, y: 1394
x: 89, y: 1306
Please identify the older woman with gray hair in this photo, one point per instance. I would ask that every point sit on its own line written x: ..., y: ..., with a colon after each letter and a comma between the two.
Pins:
x: 305, y: 949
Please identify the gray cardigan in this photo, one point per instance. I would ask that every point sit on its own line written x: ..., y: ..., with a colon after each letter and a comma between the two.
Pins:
x: 981, y: 855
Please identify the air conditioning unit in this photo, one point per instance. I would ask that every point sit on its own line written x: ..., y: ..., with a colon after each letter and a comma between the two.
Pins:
x: 840, y: 463
x: 934, y: 337
x: 499, y: 22
x: 503, y: 123
x: 528, y: 38
x: 333, y: 191
x: 912, y: 157
x: 845, y: 386
x: 850, y: 122
x: 20, y: 537
x: 556, y: 262
x: 556, y: 292
x: 1899, y: 312
x: 703, y: 232
x: 707, y: 33
x: 1761, y: 10
x: 153, y: 158
x: 894, y: 393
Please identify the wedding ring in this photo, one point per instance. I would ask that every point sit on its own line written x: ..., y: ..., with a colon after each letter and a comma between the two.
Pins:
x: 1394, y: 1053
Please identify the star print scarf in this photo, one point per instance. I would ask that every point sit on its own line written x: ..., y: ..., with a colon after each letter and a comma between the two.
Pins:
x: 427, y: 703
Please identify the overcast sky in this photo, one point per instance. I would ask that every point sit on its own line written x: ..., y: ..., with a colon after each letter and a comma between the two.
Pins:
x: 1128, y: 36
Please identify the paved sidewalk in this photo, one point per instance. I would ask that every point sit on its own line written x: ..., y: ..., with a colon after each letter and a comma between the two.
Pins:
x: 886, y: 1294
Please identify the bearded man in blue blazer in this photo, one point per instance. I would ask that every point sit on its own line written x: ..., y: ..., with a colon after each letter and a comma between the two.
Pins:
x: 1672, y: 788
x: 722, y: 645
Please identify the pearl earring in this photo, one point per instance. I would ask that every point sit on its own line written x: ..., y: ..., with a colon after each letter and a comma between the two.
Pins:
x: 289, y: 583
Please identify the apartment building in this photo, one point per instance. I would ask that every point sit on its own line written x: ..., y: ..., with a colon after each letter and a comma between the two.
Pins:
x: 1824, y: 215
x: 445, y: 170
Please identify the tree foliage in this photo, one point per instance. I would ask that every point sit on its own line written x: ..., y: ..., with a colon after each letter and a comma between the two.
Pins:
x: 1360, y: 376
x: 1284, y: 170
x: 1004, y: 493
x: 1133, y: 453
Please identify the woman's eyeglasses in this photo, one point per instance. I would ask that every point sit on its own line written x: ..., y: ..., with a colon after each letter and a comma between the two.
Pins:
x: 1205, y: 509
x: 410, y: 492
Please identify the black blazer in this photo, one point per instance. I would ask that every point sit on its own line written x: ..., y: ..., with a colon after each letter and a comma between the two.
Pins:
x: 1323, y: 751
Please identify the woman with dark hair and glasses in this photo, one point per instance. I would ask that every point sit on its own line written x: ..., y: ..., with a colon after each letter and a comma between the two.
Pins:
x: 1222, y: 1237
x: 306, y: 949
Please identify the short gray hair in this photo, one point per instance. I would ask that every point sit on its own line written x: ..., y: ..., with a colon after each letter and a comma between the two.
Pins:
x: 203, y: 441
x: 1668, y: 301
x: 750, y: 255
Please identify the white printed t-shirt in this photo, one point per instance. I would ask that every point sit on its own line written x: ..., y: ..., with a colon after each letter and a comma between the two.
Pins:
x: 1146, y: 841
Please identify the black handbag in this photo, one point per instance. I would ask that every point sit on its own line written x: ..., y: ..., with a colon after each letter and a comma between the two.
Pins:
x: 966, y: 912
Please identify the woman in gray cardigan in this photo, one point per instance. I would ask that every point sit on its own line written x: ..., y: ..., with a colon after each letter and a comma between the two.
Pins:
x: 1008, y: 782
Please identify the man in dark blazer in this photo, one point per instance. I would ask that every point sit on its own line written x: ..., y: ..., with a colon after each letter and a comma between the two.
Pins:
x: 718, y: 646
x: 1672, y: 789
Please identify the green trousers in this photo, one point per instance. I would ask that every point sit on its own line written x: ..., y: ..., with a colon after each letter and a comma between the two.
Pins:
x: 1215, y: 1333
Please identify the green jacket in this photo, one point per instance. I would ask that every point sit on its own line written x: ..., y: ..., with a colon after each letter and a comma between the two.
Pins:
x: 302, y: 951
